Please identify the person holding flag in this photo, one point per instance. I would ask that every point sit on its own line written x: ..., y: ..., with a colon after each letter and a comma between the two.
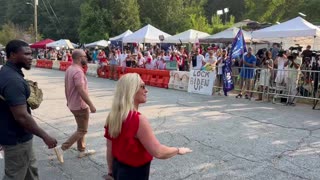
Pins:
x: 238, y: 48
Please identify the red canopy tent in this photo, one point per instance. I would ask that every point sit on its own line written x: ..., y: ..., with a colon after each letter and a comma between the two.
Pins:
x: 41, y: 44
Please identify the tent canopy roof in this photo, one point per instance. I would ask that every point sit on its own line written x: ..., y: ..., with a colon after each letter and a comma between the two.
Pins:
x: 121, y: 36
x: 62, y: 43
x: 147, y: 34
x: 226, y: 36
x: 41, y: 44
x: 101, y: 43
x: 189, y: 36
x: 297, y: 27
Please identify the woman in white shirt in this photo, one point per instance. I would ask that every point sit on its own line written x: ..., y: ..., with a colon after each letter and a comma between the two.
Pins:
x: 199, y: 60
x: 221, y: 62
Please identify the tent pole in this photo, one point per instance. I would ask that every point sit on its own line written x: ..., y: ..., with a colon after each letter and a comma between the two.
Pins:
x: 251, y: 40
x: 121, y: 46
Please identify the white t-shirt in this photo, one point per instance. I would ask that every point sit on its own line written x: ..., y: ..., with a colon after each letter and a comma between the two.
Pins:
x: 200, y: 59
x: 220, y: 65
x: 166, y: 58
x: 123, y: 60
x: 210, y: 60
x: 141, y: 61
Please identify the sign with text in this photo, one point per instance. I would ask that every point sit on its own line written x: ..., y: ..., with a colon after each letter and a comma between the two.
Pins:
x: 201, y: 82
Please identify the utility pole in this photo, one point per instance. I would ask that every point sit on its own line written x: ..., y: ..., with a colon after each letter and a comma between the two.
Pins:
x: 36, y: 19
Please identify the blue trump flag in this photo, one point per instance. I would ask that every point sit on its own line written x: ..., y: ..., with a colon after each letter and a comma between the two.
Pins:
x: 238, y: 48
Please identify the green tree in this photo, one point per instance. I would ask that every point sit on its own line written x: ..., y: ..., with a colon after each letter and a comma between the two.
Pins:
x: 167, y: 15
x: 11, y: 31
x: 18, y: 12
x: 236, y: 9
x: 311, y: 9
x: 200, y: 23
x: 194, y: 16
x: 273, y: 10
x: 94, y: 21
x: 124, y: 15
x: 59, y: 19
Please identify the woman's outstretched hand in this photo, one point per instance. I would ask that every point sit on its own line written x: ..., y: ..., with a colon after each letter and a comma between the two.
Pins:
x: 184, y: 150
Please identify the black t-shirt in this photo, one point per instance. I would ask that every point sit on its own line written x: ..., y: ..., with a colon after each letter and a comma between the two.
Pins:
x: 307, y: 53
x: 15, y: 90
x: 194, y: 60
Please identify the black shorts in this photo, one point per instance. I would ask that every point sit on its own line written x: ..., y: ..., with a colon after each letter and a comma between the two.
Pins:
x: 122, y: 171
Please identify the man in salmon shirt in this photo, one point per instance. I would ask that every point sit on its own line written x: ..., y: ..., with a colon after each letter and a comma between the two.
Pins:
x: 79, y: 103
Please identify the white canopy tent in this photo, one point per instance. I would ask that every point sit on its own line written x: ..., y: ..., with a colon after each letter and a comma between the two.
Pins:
x: 121, y: 36
x: 226, y: 36
x: 100, y: 44
x: 62, y: 43
x: 147, y: 34
x: 289, y: 33
x: 189, y: 36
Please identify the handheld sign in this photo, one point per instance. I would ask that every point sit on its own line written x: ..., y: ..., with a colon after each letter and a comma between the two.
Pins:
x: 201, y: 82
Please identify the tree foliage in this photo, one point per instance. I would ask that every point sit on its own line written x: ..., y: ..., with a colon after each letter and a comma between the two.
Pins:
x: 91, y: 20
x: 236, y: 9
x: 167, y: 15
x: 273, y: 10
x: 94, y: 21
x: 11, y: 31
x: 124, y: 16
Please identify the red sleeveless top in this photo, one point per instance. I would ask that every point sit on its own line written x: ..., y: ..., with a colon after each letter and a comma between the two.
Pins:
x: 126, y: 148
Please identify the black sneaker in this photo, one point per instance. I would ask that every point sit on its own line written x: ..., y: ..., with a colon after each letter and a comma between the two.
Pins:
x: 239, y: 96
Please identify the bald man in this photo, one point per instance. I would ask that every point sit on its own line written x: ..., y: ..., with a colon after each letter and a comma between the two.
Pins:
x: 79, y: 103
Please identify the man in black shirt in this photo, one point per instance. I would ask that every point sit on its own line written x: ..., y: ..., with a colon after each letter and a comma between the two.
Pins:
x: 17, y: 126
x: 306, y: 55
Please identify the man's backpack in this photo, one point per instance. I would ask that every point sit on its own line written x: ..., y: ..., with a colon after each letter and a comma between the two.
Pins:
x: 36, y: 95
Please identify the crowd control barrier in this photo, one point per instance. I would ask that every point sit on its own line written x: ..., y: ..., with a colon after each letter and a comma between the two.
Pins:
x: 34, y: 62
x: 43, y: 63
x: 157, y: 78
x: 64, y: 65
x: 92, y: 70
x: 179, y: 80
x: 48, y: 64
x: 40, y: 63
x: 56, y: 65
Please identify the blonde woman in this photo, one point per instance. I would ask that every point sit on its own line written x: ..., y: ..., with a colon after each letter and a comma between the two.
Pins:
x: 131, y: 144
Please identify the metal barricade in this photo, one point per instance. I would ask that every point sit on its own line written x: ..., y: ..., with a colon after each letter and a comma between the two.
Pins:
x: 284, y: 85
x: 295, y: 84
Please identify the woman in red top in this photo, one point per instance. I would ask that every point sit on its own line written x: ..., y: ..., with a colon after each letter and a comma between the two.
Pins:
x: 69, y: 56
x: 102, y: 57
x: 131, y: 144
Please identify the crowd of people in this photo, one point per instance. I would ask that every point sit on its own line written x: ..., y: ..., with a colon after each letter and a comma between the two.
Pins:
x: 279, y: 69
x: 267, y: 67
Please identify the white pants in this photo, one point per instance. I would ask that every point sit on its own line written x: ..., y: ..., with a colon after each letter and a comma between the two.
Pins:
x: 292, y: 84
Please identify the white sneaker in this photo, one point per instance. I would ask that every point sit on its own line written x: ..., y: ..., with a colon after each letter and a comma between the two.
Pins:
x: 59, y: 153
x: 87, y: 152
